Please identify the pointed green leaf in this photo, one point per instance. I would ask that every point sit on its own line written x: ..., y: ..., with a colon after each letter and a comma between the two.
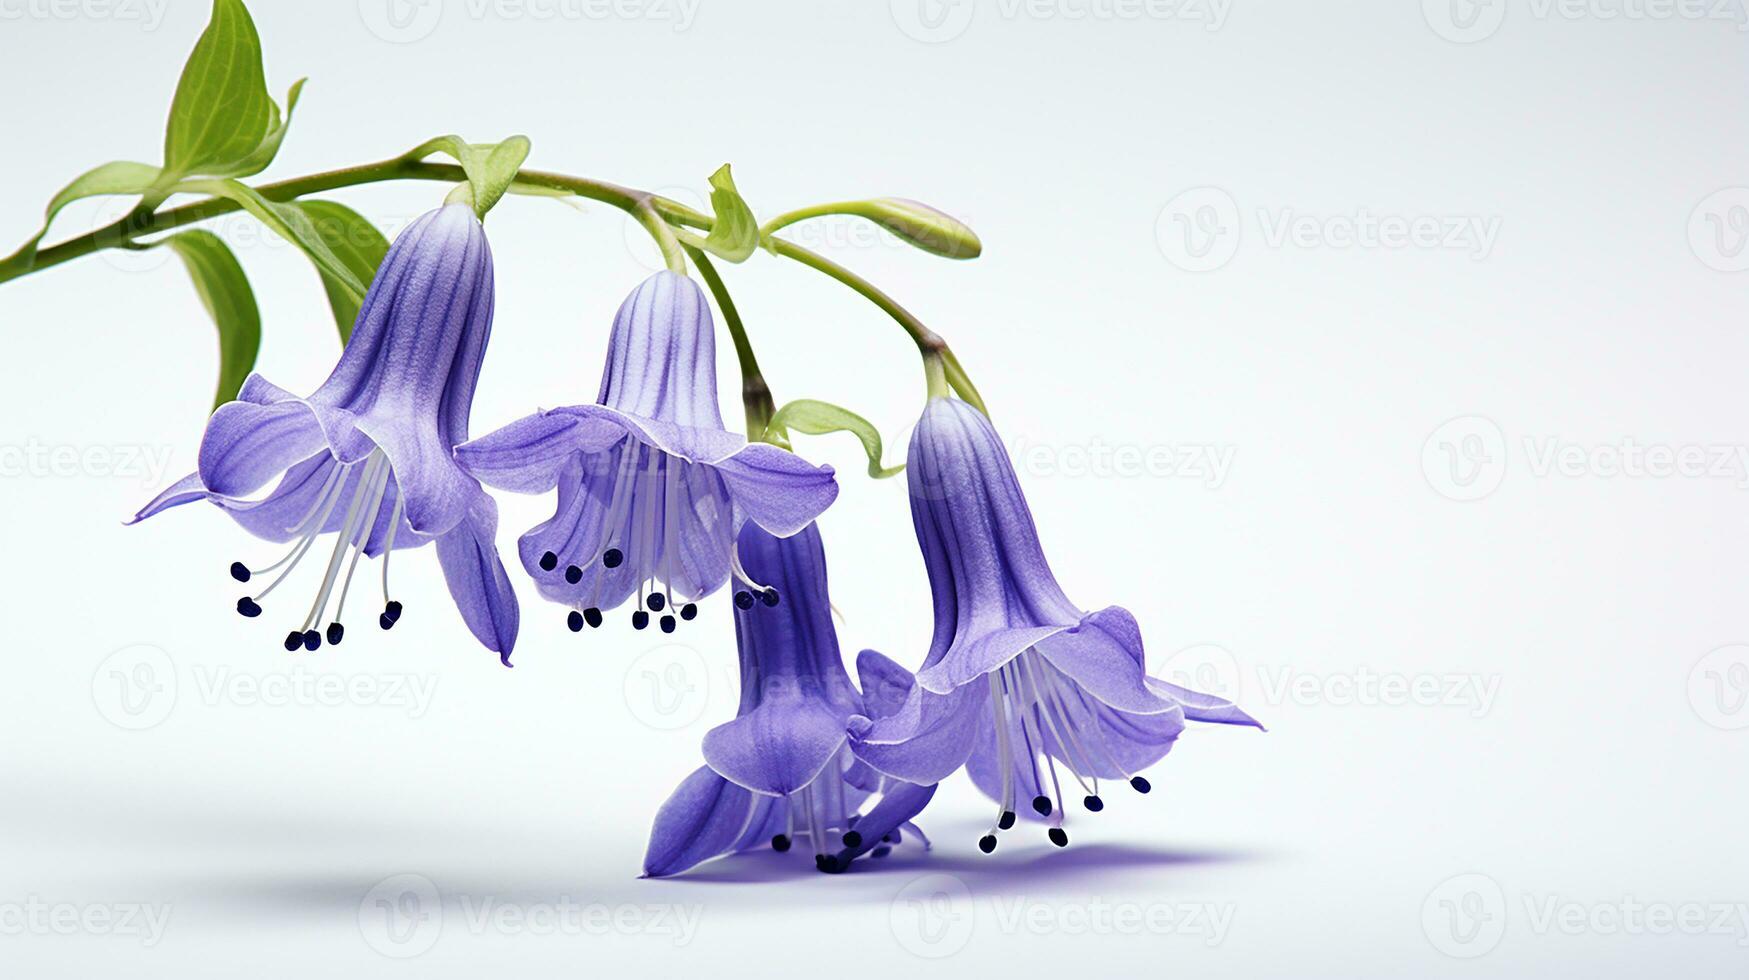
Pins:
x: 224, y: 291
x: 291, y: 223
x: 735, y: 232
x: 222, y: 114
x: 120, y: 177
x: 357, y: 244
x: 263, y: 154
x: 816, y: 418
x: 491, y: 167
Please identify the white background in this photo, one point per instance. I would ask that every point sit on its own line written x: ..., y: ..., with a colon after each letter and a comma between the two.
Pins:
x: 1563, y: 783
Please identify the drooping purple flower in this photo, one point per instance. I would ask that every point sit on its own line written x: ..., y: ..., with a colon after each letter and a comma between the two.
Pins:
x: 652, y: 487
x: 368, y: 456
x: 1018, y: 680
x: 781, y: 772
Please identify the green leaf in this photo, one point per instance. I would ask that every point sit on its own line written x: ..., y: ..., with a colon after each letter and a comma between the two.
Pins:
x: 223, y: 121
x: 491, y: 167
x: 357, y: 244
x: 735, y: 232
x: 224, y: 291
x: 816, y: 418
x: 119, y: 177
x: 263, y: 155
x: 292, y: 223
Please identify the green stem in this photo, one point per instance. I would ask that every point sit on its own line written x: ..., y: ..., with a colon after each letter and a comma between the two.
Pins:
x: 936, y: 354
x: 756, y: 399
x: 784, y: 220
x: 935, y: 376
x: 122, y: 232
x: 673, y: 252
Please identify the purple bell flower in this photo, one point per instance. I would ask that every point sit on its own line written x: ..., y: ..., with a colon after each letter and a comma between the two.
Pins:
x: 1035, y: 696
x: 781, y: 773
x: 368, y: 456
x: 652, y: 488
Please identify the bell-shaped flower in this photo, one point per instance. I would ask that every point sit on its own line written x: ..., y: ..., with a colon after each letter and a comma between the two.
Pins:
x: 368, y: 456
x: 652, y: 487
x: 781, y: 774
x: 1034, y: 695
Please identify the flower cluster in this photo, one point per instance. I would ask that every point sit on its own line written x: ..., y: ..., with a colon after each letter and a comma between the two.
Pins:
x: 658, y: 507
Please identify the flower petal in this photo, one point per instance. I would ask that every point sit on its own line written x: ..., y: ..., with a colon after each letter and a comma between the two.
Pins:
x: 1203, y: 707
x: 974, y: 656
x: 899, y: 803
x: 778, y: 490
x: 706, y: 817
x: 697, y: 444
x: 661, y: 355
x: 926, y: 740
x: 476, y: 578
x: 1119, y: 743
x: 528, y: 455
x: 184, y: 491
x: 778, y: 747
x: 436, y: 493
x: 1103, y: 654
x: 246, y: 444
x: 885, y: 684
